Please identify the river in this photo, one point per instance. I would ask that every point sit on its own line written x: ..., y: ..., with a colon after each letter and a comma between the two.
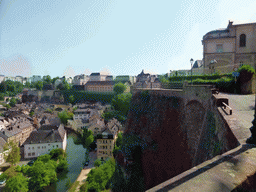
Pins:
x: 75, y: 158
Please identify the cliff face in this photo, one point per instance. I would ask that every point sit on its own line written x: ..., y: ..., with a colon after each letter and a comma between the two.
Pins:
x: 183, y: 134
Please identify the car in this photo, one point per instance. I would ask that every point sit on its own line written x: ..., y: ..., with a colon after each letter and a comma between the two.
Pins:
x: 86, y: 164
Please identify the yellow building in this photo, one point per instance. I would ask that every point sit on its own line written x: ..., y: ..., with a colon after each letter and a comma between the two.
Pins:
x: 105, y: 145
x: 99, y: 86
x: 225, y: 50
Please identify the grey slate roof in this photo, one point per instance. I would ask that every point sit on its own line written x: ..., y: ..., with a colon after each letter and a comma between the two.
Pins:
x: 46, y: 136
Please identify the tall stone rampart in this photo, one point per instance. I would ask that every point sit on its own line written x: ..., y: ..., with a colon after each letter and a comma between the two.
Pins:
x: 185, y: 127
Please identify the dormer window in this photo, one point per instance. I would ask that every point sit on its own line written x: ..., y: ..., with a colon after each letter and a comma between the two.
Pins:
x: 242, y: 40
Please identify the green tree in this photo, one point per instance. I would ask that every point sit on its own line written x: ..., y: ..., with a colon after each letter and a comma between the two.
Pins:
x: 63, y: 85
x: 10, y: 172
x: 44, y: 158
x: 64, y: 116
x: 13, y: 156
x: 71, y: 99
x: 47, y: 79
x: 17, y: 183
x: 39, y: 85
x: 118, y: 180
x: 121, y: 103
x: 119, y: 139
x: 119, y: 88
x: 3, y: 87
x: 13, y: 102
x: 56, y: 154
x: 87, y: 138
x: 31, y: 113
x: 62, y: 166
x: 54, y: 79
x: 27, y: 84
x: 41, y: 175
x: 97, y: 163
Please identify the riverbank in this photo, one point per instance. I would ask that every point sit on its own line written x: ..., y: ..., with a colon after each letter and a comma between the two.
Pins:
x: 83, y: 175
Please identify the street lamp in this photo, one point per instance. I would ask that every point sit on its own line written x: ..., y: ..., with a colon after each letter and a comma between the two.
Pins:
x: 252, y: 139
x: 191, y: 61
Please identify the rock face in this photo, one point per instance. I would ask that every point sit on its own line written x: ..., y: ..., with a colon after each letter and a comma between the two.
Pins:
x: 184, y: 133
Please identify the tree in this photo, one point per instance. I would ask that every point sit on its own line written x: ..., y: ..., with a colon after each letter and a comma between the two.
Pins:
x: 39, y: 85
x: 13, y: 102
x: 41, y: 175
x: 54, y: 79
x: 47, y: 79
x: 31, y: 113
x: 14, y: 155
x: 119, y: 139
x: 16, y: 183
x: 64, y: 116
x: 121, y: 102
x: 97, y: 163
x: 119, y: 88
x: 118, y: 180
x: 71, y: 99
x: 57, y: 153
x: 87, y: 138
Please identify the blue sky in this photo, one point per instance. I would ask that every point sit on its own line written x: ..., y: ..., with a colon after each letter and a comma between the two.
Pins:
x: 118, y: 37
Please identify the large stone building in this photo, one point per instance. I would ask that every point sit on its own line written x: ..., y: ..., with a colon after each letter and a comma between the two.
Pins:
x: 43, y: 140
x: 224, y: 50
x: 147, y: 80
x: 100, y: 86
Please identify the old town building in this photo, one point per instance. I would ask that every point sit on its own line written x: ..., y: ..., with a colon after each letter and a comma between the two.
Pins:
x: 43, y: 140
x: 224, y: 50
x: 147, y: 80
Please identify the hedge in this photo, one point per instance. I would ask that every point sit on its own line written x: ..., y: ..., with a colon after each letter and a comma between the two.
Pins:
x: 80, y: 96
x: 203, y: 77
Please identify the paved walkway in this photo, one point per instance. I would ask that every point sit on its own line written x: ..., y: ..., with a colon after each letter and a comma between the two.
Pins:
x: 243, y: 112
x: 223, y: 172
x: 83, y: 175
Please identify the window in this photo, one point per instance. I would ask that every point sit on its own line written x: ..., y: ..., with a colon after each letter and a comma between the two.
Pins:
x: 242, y: 40
x: 57, y: 145
x: 38, y: 147
x: 33, y: 154
x: 29, y: 148
x: 219, y: 48
x: 29, y: 154
x: 32, y: 147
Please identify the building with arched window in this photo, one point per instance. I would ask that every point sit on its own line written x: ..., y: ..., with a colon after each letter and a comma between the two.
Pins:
x: 229, y: 48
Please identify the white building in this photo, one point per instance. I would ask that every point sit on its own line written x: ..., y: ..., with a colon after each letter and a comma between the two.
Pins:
x: 35, y: 78
x: 82, y: 114
x: 2, y: 77
x: 19, y: 79
x: 42, y: 141
x: 80, y: 79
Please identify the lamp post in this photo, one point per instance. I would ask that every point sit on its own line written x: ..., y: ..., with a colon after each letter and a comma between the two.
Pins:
x: 252, y: 139
x: 191, y: 61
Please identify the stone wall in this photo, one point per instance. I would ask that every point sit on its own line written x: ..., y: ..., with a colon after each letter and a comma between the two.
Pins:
x: 185, y: 127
